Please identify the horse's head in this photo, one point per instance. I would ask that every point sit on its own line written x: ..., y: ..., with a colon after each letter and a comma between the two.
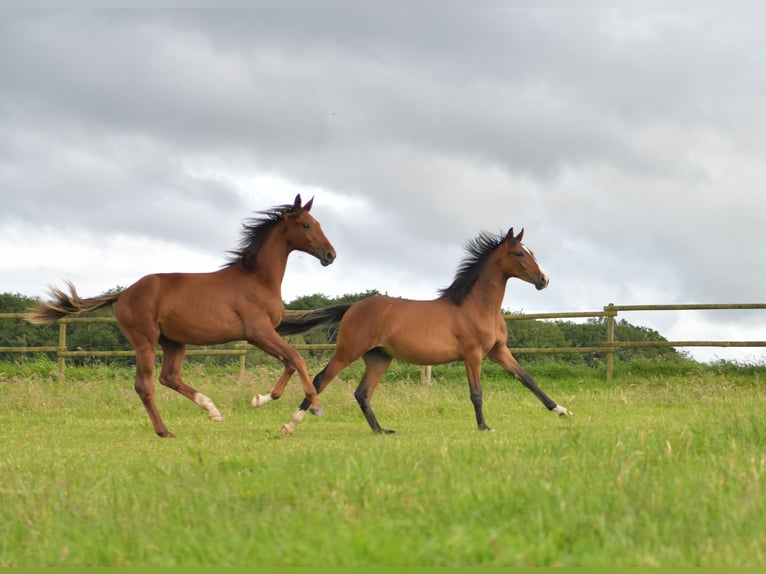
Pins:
x: 305, y: 234
x: 519, y: 261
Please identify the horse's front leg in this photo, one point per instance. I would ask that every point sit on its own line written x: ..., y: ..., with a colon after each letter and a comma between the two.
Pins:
x: 277, y: 347
x: 501, y: 355
x: 276, y: 391
x: 473, y: 370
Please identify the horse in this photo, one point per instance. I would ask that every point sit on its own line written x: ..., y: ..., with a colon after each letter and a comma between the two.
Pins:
x: 465, y: 323
x: 240, y: 301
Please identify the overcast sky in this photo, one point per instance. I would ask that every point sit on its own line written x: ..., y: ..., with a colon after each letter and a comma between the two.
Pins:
x: 626, y: 138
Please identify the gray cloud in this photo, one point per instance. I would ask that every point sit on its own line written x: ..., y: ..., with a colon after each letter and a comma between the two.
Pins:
x: 626, y: 140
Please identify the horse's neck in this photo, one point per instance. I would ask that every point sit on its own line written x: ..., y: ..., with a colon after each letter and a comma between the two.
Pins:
x: 488, y: 291
x: 271, y: 261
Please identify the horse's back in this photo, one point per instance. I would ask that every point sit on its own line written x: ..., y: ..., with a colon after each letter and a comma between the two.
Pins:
x: 419, y: 332
x: 195, y: 308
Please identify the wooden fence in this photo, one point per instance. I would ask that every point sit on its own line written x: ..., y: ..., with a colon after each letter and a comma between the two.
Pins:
x: 609, y: 346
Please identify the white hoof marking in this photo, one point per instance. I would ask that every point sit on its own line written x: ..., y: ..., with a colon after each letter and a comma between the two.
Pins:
x: 561, y: 411
x: 207, y: 404
x: 295, y: 420
x: 260, y: 400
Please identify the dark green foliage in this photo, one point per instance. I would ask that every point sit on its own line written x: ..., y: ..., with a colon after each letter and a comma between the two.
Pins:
x: 592, y: 333
x: 80, y: 336
x: 19, y: 333
x: 521, y: 334
x: 322, y: 335
x: 319, y: 301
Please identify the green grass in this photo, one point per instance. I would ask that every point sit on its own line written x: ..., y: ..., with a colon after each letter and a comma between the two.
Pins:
x: 652, y: 469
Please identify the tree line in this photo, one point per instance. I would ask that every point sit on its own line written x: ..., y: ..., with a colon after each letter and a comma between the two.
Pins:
x: 521, y: 334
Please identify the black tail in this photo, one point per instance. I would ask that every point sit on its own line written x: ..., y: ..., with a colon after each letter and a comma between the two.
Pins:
x: 301, y: 322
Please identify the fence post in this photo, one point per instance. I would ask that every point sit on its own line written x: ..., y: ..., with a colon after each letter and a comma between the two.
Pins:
x: 242, y: 346
x: 611, y: 313
x: 62, y: 349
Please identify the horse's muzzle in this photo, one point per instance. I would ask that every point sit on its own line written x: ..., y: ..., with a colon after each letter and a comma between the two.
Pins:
x: 327, y: 257
x: 542, y: 282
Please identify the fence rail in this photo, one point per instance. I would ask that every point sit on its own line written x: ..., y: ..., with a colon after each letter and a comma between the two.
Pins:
x: 609, y: 346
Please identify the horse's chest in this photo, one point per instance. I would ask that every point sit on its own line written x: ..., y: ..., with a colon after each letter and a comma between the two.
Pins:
x: 486, y: 339
x: 275, y: 314
x: 474, y: 339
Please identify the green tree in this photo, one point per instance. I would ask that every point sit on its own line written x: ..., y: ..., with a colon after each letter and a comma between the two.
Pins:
x: 329, y: 333
x: 521, y: 333
x: 18, y: 332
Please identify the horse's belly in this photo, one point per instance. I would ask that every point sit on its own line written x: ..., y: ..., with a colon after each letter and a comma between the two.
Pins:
x: 423, y: 347
x: 196, y: 332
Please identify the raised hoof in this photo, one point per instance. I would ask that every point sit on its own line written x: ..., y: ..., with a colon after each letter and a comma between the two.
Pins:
x: 562, y: 412
x: 286, y: 430
x: 216, y: 418
x: 317, y: 412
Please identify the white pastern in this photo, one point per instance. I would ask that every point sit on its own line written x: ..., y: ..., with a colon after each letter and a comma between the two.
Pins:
x: 562, y: 412
x: 260, y: 400
x: 207, y: 404
x: 295, y: 420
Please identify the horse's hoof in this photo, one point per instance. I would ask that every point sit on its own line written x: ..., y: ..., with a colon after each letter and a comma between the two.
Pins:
x: 216, y: 418
x: 562, y: 412
x: 317, y: 412
x: 286, y: 430
x: 387, y: 431
x: 260, y: 400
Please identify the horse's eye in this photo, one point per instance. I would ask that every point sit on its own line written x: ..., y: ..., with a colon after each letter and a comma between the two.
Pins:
x: 306, y: 226
x: 519, y: 254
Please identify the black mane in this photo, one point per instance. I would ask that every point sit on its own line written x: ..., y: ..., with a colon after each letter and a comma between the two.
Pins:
x: 254, y: 233
x: 479, y: 249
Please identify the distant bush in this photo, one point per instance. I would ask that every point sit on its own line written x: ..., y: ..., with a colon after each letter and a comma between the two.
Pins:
x: 521, y: 334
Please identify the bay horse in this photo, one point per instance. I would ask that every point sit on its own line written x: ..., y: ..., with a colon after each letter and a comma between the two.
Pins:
x: 240, y: 301
x: 464, y: 324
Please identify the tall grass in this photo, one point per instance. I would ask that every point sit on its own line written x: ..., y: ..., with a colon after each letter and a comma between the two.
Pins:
x: 652, y: 469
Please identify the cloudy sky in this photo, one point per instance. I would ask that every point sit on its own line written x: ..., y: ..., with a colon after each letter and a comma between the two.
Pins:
x: 626, y: 138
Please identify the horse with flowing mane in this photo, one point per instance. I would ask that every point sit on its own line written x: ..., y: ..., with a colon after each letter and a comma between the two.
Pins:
x: 240, y: 301
x: 464, y: 324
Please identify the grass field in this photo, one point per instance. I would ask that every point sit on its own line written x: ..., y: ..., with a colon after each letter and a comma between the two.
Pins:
x: 655, y: 468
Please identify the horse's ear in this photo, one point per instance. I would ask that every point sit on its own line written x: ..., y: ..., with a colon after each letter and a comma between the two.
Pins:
x: 511, y: 238
x: 297, y: 202
x: 308, y: 205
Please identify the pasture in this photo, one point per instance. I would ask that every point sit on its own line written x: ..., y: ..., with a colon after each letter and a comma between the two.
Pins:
x: 658, y: 467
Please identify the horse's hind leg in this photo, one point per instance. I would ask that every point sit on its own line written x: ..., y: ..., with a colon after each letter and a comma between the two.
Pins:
x: 145, y: 387
x: 170, y: 376
x: 501, y: 355
x: 324, y: 378
x: 376, y: 362
x: 292, y: 360
x: 143, y: 336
